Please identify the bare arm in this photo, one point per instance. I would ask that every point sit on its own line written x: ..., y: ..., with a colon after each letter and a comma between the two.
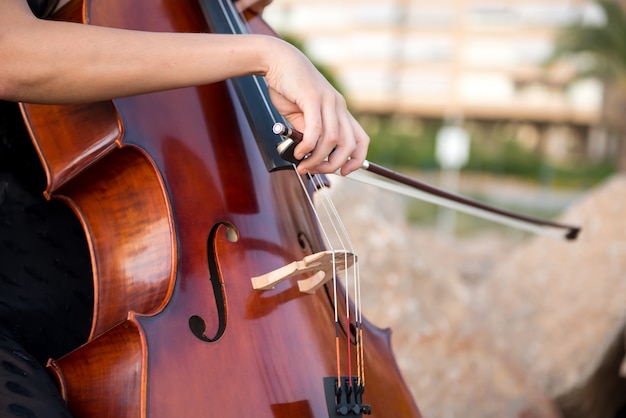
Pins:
x: 59, y: 62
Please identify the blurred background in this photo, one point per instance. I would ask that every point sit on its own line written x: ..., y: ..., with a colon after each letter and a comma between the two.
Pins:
x: 517, y: 103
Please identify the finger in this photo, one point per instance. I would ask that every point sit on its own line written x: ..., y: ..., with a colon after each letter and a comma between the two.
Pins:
x: 315, y: 159
x: 241, y: 5
x: 360, y: 153
x: 256, y: 6
x: 311, y: 132
x: 329, y: 149
x: 327, y: 138
x: 345, y: 144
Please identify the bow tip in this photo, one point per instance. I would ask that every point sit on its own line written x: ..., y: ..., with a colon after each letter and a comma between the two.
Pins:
x: 572, y: 234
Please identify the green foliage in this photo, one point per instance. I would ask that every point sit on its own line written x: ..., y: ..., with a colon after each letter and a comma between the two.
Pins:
x: 400, y: 144
x: 510, y: 159
x: 409, y: 145
x: 606, y: 44
x: 502, y: 156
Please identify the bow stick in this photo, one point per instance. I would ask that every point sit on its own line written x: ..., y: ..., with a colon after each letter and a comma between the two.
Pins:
x: 408, y: 186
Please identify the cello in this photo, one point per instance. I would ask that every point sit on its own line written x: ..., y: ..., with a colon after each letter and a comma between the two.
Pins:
x: 185, y: 200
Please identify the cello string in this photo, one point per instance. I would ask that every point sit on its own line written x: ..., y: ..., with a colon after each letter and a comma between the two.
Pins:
x: 340, y: 231
x: 331, y: 246
x: 239, y: 25
x: 355, y: 269
x: 235, y: 19
x: 359, y: 345
x: 361, y: 342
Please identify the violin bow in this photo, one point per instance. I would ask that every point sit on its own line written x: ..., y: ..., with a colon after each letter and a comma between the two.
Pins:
x: 399, y: 183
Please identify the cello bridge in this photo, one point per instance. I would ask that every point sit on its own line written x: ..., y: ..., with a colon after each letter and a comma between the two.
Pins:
x: 321, y: 267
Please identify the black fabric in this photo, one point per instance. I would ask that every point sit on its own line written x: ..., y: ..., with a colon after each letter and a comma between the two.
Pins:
x: 46, y: 290
x: 42, y: 8
x: 25, y: 388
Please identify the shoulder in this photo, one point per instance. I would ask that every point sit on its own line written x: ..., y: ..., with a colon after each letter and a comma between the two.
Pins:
x: 42, y: 8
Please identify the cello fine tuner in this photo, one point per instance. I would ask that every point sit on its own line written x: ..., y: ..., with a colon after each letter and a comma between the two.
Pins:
x: 322, y: 266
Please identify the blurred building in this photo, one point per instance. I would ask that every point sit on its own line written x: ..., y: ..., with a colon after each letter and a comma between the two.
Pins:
x: 482, y: 59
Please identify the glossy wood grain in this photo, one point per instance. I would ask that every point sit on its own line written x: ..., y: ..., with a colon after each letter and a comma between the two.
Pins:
x: 181, y: 213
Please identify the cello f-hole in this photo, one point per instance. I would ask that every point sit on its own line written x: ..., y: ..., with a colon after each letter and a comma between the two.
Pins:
x: 197, y: 324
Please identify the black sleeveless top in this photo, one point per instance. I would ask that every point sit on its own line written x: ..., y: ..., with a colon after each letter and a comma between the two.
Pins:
x: 42, y: 8
x: 46, y: 290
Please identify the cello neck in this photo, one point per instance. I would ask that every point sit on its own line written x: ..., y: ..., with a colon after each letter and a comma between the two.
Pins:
x: 252, y: 91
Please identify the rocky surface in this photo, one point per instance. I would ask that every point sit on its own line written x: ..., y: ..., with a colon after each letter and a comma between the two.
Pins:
x: 492, y: 324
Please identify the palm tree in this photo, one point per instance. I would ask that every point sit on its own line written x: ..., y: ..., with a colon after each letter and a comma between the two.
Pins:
x: 605, y: 44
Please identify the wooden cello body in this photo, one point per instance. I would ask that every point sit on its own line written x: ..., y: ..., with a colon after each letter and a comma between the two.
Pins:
x: 180, y: 211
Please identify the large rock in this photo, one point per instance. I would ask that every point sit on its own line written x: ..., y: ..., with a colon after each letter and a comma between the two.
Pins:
x: 556, y: 306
